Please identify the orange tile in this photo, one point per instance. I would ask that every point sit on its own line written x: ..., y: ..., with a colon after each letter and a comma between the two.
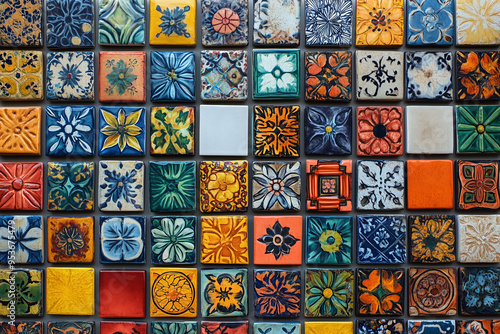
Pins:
x: 70, y: 239
x: 429, y: 184
x: 20, y: 130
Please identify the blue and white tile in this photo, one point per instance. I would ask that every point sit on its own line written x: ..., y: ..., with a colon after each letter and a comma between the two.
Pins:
x: 329, y: 22
x: 430, y: 22
x: 121, y: 185
x: 123, y: 239
x: 431, y: 326
x: 26, y: 234
x: 173, y: 76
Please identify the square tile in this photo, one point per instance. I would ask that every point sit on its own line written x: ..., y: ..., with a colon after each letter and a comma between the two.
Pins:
x: 329, y: 240
x: 432, y: 239
x: 224, y: 23
x: 380, y: 131
x: 276, y: 186
x: 225, y: 294
x: 166, y: 301
x: 476, y: 75
x: 223, y: 130
x: 172, y: 130
x: 277, y: 327
x: 22, y: 235
x: 379, y: 23
x: 388, y: 326
x: 471, y: 326
x: 224, y: 75
x: 477, y: 22
x: 328, y: 23
x: 33, y: 327
x: 81, y: 327
x: 479, y: 291
x: 70, y: 25
x: 21, y: 74
x: 276, y: 293
x: 122, y: 294
x: 476, y: 129
x: 380, y: 75
x: 380, y: 292
x: 277, y: 240
x: 174, y: 327
x: 429, y: 76
x: 22, y: 23
x: 27, y: 297
x: 329, y: 293
x: 70, y: 291
x: 276, y: 74
x: 276, y: 23
x: 20, y: 130
x: 329, y: 185
x: 111, y: 327
x: 338, y: 327
x: 431, y: 326
x: 122, y: 75
x: 70, y: 186
x: 173, y: 75
x: 430, y: 22
x: 122, y: 239
x: 172, y: 22
x: 429, y: 130
x: 224, y: 186
x: 224, y: 240
x: 429, y: 184
x: 228, y: 327
x: 22, y: 186
x: 328, y: 76
x: 121, y: 22
x: 381, y: 239
x: 477, y: 186
x: 173, y: 239
x: 478, y: 239
x: 70, y: 239
x: 121, y: 186
x: 328, y: 130
x: 172, y: 186
x: 276, y: 131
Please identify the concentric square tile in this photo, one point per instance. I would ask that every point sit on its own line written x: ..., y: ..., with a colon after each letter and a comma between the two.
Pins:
x: 478, y: 239
x: 477, y: 185
x: 380, y: 292
x: 20, y: 130
x: 22, y: 23
x: 389, y: 326
x: 21, y: 73
x: 27, y: 297
x: 224, y: 240
x: 276, y: 293
x: 70, y: 239
x: 431, y: 326
x: 122, y: 294
x: 70, y: 24
x: 432, y: 238
x: 276, y: 74
x: 476, y: 129
x: 173, y: 239
x: 276, y: 23
x: 479, y: 291
x: 224, y: 23
x: 70, y: 186
x: 173, y: 130
x: 379, y: 23
x: 25, y: 233
x: 173, y: 76
x: 172, y: 22
x: 121, y: 22
x: 328, y: 23
x: 329, y: 240
x: 225, y: 294
x: 23, y: 186
x: 430, y: 22
x: 166, y: 301
x: 277, y: 327
x: 122, y: 239
x: 476, y: 75
x: 472, y: 28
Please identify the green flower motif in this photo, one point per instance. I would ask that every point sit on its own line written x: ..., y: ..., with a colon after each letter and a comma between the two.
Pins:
x: 329, y: 240
x: 173, y: 240
x: 121, y: 77
x: 174, y: 327
x: 478, y: 129
x: 28, y: 293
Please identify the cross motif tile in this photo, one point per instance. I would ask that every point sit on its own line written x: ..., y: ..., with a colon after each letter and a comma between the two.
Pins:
x: 121, y: 23
x: 21, y: 75
x: 70, y: 186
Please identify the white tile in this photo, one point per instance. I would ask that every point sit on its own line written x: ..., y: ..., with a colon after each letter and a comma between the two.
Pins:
x: 479, y: 239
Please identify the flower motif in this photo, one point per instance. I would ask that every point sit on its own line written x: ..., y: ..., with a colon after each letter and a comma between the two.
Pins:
x: 172, y: 186
x: 70, y: 75
x: 482, y: 184
x: 478, y: 75
x: 70, y: 186
x: 173, y: 328
x: 480, y: 238
x: 429, y: 75
x: 70, y: 23
x: 328, y: 76
x: 121, y: 186
x: 121, y: 77
x: 121, y: 130
x: 69, y: 239
x: 173, y: 293
x: 173, y: 241
x: 27, y: 292
x: 328, y: 22
x: 20, y: 130
x: 276, y: 186
x: 329, y: 240
x: 379, y: 22
x: 27, y: 239
x: 478, y: 185
x: 433, y: 239
x: 380, y: 131
x: 70, y: 130
x: 328, y: 130
x: 223, y: 186
x: 173, y: 21
x: 172, y: 130
x: 21, y: 186
x: 225, y: 22
x: 430, y: 22
x: 277, y: 73
x: 122, y: 240
x: 224, y: 240
x: 172, y: 76
x: 480, y: 290
x: 433, y: 291
x: 224, y: 294
x: 277, y: 293
x: 478, y: 22
x: 278, y: 240
x: 379, y: 293
x: 477, y: 128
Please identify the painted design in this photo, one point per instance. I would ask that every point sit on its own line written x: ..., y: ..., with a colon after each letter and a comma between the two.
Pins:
x: 380, y: 292
x: 121, y: 186
x: 276, y: 293
x: 479, y: 239
x: 165, y: 327
x: 24, y: 244
x: 70, y: 240
x: 380, y: 131
x: 431, y: 326
x: 276, y: 327
x: 379, y: 22
x: 172, y: 76
x: 329, y: 240
x: 233, y: 327
x: 477, y: 75
x: 276, y: 131
x: 276, y: 22
x: 122, y: 239
x: 328, y: 130
x: 471, y: 17
x: 27, y: 294
x: 276, y: 74
x: 121, y: 22
x: 110, y: 327
x: 224, y: 22
x: 379, y: 326
x: 173, y: 292
x: 477, y: 326
x: 21, y: 23
x: 21, y: 186
x: 121, y: 131
x: 278, y: 240
x: 70, y: 24
x: 20, y: 130
x: 224, y: 240
x: 81, y: 327
x: 173, y: 240
x: 21, y: 74
x: 120, y: 78
x: 430, y: 22
x: 328, y: 22
x: 478, y: 185
x: 480, y: 294
x: 172, y: 22
x: 30, y: 327
x: 328, y: 76
x: 224, y: 294
x: 477, y: 129
x: 432, y: 239
x: 70, y: 186
x: 429, y: 76
x: 172, y: 130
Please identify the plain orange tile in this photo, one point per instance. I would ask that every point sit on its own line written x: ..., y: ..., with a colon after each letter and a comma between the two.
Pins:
x: 430, y: 184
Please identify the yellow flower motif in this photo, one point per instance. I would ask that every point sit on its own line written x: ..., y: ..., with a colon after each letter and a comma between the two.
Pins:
x: 325, y: 241
x: 173, y: 293
x: 122, y: 130
x: 223, y: 186
x: 478, y: 22
x: 379, y: 22
x: 224, y: 240
x: 224, y: 294
x: 433, y: 240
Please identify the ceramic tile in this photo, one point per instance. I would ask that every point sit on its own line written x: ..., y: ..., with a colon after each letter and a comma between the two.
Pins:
x: 22, y: 235
x: 276, y: 74
x: 277, y: 240
x: 223, y: 130
x: 478, y: 239
x: 431, y: 326
x: 430, y: 22
x: 328, y: 76
x: 329, y: 185
x: 476, y: 75
x: 387, y: 326
x: 22, y: 186
x: 379, y: 131
x: 27, y: 297
x: 476, y: 129
x: 173, y: 239
x: 224, y: 240
x: 429, y: 184
x: 33, y: 327
x: 329, y: 240
x: 381, y: 239
x: 121, y: 22
x: 380, y: 75
x: 277, y: 327
x: 122, y: 239
x: 276, y: 23
x: 477, y: 22
x: 174, y: 327
x: 122, y: 75
x: 318, y: 327
x: 70, y: 239
x: 225, y: 294
x: 429, y: 130
x: 276, y: 293
x: 122, y: 294
x: 473, y: 326
x: 111, y: 327
x: 172, y: 130
x: 166, y: 301
x: 70, y: 24
x: 20, y: 130
x: 173, y: 75
x: 432, y: 239
x: 228, y: 327
x: 380, y: 292
x: 276, y: 186
x: 172, y: 22
x: 381, y: 185
x: 379, y: 23
x: 479, y: 291
x: 172, y: 186
x: 432, y: 292
x: 477, y: 186
x: 276, y: 131
x: 328, y: 130
x: 329, y: 293
x: 429, y: 76
x: 121, y: 186
x: 224, y: 186
x: 224, y: 23
x: 81, y: 327
x: 70, y: 186
x: 21, y: 74
x: 328, y: 23
x: 70, y: 291
x: 21, y: 23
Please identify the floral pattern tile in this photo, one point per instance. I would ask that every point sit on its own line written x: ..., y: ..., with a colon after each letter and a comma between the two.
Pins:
x: 225, y: 294
x: 123, y: 239
x: 228, y: 327
x: 20, y: 130
x: 224, y: 22
x: 172, y: 22
x: 173, y: 76
x: 479, y: 291
x: 379, y: 23
x: 430, y: 22
x: 478, y: 185
x: 276, y: 74
x: 82, y: 327
x: 432, y: 239
x: 174, y: 327
x: 328, y: 22
x: 276, y: 23
x: 121, y: 22
x: 21, y: 327
x: 477, y: 75
x: 28, y: 292
x: 70, y: 186
x: 25, y: 233
x: 21, y: 23
x: 70, y: 24
x: 70, y: 239
x: 172, y: 130
x: 21, y: 186
x: 470, y: 326
x: 373, y: 326
x: 173, y: 239
x: 329, y: 240
x: 471, y: 17
x: 431, y: 326
x: 476, y: 129
x: 165, y: 300
x: 110, y: 327
x: 121, y: 186
x: 21, y: 75
x: 277, y: 293
x: 277, y: 327
x: 380, y: 292
x: 478, y: 239
x: 380, y: 131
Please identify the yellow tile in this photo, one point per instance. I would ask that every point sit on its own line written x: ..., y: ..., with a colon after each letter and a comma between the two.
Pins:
x: 20, y: 130
x: 22, y: 77
x: 379, y: 23
x: 70, y: 291
x: 321, y: 327
x: 25, y: 293
x: 172, y: 22
x: 173, y: 292
x: 70, y: 239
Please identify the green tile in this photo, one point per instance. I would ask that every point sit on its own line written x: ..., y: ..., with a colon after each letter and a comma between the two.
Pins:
x: 478, y: 129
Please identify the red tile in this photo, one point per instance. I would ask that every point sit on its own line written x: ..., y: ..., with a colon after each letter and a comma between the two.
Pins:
x: 123, y: 327
x: 122, y: 294
x: 21, y: 186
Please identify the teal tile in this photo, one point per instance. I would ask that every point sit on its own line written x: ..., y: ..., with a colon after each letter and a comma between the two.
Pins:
x: 121, y: 22
x: 224, y: 292
x: 329, y: 240
x: 478, y: 129
x: 173, y: 239
x: 174, y: 327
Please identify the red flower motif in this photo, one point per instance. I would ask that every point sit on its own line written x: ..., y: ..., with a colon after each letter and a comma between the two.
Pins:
x: 480, y: 184
x: 225, y: 21
x: 380, y: 131
x: 21, y: 186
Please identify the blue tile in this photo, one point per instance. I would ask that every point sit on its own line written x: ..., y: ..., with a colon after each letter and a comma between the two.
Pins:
x: 431, y: 326
x: 276, y: 328
x: 172, y: 76
x: 385, y: 326
x: 27, y: 233
x: 277, y: 293
x: 430, y: 22
x: 328, y: 22
x: 480, y: 293
x: 122, y: 239
x: 173, y: 239
x: 329, y: 240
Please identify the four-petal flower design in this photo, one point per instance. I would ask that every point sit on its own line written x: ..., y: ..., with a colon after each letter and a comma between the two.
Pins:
x: 122, y: 239
x: 277, y: 74
x: 28, y: 239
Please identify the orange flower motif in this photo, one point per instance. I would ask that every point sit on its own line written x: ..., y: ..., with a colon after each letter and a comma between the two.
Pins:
x: 479, y: 74
x: 380, y: 292
x: 380, y: 131
x: 379, y: 22
x: 492, y: 67
x: 225, y: 21
x: 328, y: 76
x: 480, y: 184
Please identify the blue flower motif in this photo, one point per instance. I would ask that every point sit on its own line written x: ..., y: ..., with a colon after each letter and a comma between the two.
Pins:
x: 122, y: 239
x: 173, y: 21
x: 481, y: 292
x: 28, y: 239
x: 121, y: 186
x: 430, y: 22
x: 328, y: 22
x: 70, y: 23
x: 172, y: 76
